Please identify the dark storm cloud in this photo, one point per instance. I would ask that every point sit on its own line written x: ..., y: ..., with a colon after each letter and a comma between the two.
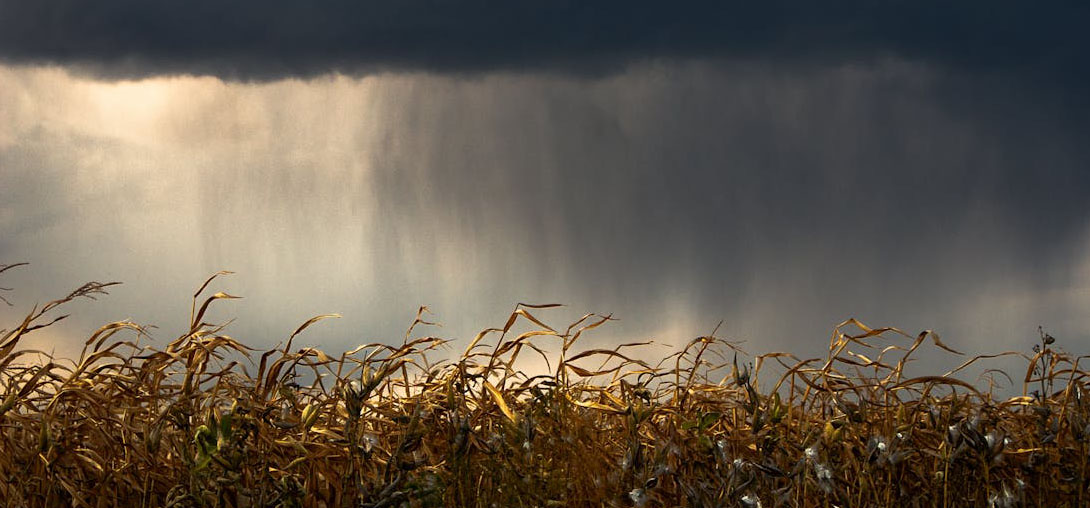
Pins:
x: 782, y: 203
x: 671, y: 194
x: 268, y: 39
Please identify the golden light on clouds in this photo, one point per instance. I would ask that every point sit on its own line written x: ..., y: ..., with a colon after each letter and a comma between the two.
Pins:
x: 672, y: 196
x: 185, y: 110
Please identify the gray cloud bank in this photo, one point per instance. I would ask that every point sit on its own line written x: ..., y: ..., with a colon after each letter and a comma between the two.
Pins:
x: 780, y: 165
x: 268, y: 39
x: 671, y: 195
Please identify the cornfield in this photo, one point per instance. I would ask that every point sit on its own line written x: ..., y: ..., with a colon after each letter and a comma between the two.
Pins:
x: 207, y: 421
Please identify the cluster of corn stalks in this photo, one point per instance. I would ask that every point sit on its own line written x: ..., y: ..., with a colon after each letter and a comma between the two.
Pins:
x: 206, y: 421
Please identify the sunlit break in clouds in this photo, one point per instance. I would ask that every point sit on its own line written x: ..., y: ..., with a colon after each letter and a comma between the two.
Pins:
x: 779, y: 169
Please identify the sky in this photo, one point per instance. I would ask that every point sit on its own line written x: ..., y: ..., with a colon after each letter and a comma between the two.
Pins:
x: 779, y: 168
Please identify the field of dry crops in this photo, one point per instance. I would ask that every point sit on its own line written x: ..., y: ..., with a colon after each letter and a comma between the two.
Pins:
x: 206, y: 421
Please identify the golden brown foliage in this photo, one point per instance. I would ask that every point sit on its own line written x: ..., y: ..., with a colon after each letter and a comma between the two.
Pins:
x: 385, y: 426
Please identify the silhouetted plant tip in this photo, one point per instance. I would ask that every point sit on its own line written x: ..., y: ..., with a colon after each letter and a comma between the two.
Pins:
x: 206, y: 421
x: 4, y: 268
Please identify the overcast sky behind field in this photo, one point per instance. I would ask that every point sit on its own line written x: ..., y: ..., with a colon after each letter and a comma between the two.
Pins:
x: 780, y: 167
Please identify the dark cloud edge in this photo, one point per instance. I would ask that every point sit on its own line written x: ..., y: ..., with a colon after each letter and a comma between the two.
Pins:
x: 250, y: 41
